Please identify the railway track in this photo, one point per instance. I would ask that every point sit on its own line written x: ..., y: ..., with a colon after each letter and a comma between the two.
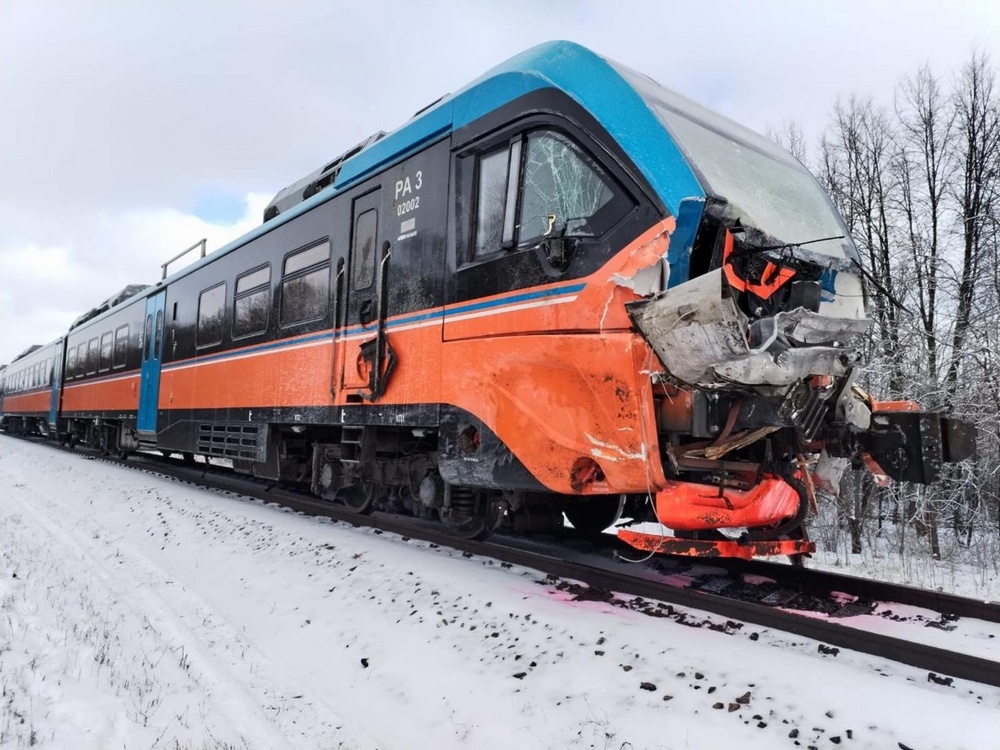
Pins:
x: 589, y: 571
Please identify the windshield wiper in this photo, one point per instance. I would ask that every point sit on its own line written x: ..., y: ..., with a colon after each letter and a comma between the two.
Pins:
x: 753, y: 250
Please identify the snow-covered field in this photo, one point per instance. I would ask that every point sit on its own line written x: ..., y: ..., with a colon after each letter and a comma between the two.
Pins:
x: 138, y: 612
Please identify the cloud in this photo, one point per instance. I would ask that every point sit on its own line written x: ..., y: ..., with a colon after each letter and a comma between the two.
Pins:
x: 110, y: 250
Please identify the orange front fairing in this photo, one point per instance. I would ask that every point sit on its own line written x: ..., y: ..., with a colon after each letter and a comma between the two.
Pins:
x: 687, y: 506
x: 556, y: 399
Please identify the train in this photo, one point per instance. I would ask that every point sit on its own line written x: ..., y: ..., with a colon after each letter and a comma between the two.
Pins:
x: 563, y: 291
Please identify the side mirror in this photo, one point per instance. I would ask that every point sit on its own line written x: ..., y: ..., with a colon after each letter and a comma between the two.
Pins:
x: 559, y: 251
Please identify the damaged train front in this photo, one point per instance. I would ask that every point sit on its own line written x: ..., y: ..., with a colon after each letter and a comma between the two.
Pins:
x: 759, y: 412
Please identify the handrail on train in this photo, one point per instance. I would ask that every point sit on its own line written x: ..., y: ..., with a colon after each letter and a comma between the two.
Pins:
x: 202, y: 242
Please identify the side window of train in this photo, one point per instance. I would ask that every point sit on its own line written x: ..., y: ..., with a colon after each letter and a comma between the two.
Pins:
x: 106, y: 347
x: 211, y: 314
x: 252, y: 302
x: 71, y: 362
x: 81, y: 359
x: 363, y: 250
x: 92, y: 351
x: 492, y: 194
x: 305, y: 284
x: 540, y: 184
x: 121, y: 347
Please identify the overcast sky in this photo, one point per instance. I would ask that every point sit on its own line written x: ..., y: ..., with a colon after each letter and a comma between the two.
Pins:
x: 130, y: 130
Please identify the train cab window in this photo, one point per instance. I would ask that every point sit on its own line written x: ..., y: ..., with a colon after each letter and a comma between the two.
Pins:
x: 106, y: 346
x: 92, y: 352
x: 81, y: 359
x: 560, y: 181
x: 211, y: 314
x: 542, y: 183
x: 121, y: 347
x: 71, y: 362
x: 305, y: 284
x: 491, y: 195
x: 252, y: 302
x: 363, y: 250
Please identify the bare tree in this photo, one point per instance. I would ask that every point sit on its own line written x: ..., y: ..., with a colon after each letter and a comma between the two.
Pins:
x: 978, y: 122
x: 926, y: 166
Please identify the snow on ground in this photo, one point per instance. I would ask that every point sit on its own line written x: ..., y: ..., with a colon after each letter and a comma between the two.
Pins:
x: 139, y: 612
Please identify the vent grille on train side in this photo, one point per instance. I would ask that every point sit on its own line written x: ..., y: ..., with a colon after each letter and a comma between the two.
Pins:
x: 240, y: 441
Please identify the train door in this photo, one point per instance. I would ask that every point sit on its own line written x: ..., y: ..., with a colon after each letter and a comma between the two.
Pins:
x: 361, y: 294
x: 56, y: 375
x: 152, y: 357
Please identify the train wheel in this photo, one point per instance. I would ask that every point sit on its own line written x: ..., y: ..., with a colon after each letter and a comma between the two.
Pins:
x: 476, y: 527
x: 471, y: 515
x: 358, y: 498
x: 592, y: 515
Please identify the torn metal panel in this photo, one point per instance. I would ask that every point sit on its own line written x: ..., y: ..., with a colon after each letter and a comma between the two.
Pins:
x: 646, y: 281
x: 702, y: 338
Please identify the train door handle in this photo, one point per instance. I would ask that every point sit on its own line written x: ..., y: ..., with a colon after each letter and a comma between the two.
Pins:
x: 366, y: 313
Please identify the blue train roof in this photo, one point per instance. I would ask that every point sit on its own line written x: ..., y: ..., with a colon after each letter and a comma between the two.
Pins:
x: 584, y: 76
